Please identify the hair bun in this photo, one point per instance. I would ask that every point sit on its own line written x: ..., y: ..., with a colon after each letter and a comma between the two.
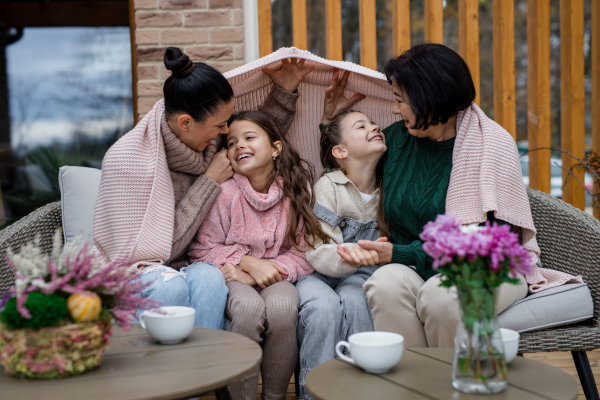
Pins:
x: 178, y: 62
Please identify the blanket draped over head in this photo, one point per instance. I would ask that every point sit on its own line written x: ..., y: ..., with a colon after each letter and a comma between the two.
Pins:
x: 134, y: 214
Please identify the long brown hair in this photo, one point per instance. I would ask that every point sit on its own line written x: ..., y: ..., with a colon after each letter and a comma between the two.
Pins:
x: 298, y: 178
x: 332, y: 135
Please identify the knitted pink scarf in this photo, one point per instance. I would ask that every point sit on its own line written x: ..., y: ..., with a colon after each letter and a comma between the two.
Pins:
x: 486, y: 176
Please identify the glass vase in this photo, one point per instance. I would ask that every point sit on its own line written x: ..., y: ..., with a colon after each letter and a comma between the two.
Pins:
x: 479, y: 365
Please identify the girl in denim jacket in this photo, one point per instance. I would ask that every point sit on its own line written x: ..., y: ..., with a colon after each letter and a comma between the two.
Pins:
x: 333, y: 304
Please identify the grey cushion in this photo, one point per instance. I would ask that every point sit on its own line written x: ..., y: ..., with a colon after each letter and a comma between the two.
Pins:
x: 78, y: 191
x: 557, y: 306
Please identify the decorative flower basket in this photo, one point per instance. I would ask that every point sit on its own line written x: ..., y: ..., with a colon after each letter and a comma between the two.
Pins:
x: 53, y: 352
x: 55, y: 322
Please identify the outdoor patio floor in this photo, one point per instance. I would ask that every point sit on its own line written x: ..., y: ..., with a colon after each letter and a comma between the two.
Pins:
x: 562, y: 360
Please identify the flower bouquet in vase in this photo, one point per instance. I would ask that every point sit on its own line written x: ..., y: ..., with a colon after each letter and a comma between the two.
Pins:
x: 476, y: 260
x: 56, y: 321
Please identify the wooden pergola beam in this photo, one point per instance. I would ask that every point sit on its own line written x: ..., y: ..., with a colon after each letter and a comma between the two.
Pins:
x: 368, y: 34
x: 572, y: 94
x: 504, y: 65
x: 539, y: 132
x: 35, y: 14
x: 468, y: 38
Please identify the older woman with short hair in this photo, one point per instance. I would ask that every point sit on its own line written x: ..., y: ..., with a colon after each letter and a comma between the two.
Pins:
x: 444, y: 156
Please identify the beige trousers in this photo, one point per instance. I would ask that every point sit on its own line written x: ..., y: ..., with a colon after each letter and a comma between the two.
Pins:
x: 268, y: 317
x: 424, y: 313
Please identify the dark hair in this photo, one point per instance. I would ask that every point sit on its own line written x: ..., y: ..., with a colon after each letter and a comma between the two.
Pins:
x: 298, y: 177
x: 331, y: 136
x: 196, y: 89
x: 436, y: 81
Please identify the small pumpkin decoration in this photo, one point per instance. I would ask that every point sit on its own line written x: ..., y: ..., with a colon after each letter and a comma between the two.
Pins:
x: 84, y: 307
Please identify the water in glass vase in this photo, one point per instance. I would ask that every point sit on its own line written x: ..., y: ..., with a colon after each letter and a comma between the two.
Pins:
x: 483, y: 374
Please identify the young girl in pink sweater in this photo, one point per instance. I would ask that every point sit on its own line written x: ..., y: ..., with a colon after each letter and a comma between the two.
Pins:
x: 255, y: 233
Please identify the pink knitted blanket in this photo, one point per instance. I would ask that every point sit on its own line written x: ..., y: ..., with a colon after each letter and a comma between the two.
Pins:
x: 135, y: 208
x: 137, y: 189
x: 486, y: 176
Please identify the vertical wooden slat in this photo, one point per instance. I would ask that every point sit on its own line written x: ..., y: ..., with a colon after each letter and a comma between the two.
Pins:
x: 572, y: 109
x: 299, y: 24
x: 538, y: 93
x: 434, y: 21
x: 401, y: 28
x: 468, y: 35
x: 265, y: 32
x: 596, y: 82
x: 368, y: 33
x: 333, y: 18
x: 504, y: 65
x: 136, y: 116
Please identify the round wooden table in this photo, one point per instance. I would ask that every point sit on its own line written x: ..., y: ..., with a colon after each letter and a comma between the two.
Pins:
x: 425, y: 374
x: 136, y: 367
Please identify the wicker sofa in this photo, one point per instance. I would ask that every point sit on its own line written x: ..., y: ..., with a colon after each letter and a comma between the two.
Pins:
x: 569, y: 240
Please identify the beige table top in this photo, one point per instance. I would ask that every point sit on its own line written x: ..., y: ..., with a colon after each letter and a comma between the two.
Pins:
x: 427, y: 374
x: 135, y: 367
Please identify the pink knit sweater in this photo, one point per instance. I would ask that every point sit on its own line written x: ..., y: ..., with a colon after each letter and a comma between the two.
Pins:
x: 245, y: 222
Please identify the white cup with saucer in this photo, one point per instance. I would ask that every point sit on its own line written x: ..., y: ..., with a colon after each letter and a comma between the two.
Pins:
x: 375, y: 352
x: 169, y: 325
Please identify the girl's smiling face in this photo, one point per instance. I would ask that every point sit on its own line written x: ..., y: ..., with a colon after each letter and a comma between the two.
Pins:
x: 250, y: 150
x: 362, y: 137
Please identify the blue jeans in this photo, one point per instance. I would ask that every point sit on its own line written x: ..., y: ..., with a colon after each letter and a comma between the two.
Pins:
x: 331, y: 309
x: 200, y: 286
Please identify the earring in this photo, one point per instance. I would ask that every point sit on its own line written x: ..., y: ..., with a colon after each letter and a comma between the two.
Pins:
x: 348, y: 157
x: 274, y: 158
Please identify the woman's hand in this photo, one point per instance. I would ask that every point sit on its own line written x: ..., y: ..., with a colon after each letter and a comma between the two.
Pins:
x: 289, y: 76
x: 264, y: 272
x: 367, y: 252
x: 219, y: 169
x: 231, y: 273
x: 335, y: 102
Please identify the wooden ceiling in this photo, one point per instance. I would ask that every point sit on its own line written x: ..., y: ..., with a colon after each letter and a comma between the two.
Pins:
x: 54, y: 13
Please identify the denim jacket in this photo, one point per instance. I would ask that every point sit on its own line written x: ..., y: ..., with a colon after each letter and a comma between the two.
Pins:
x: 345, y: 218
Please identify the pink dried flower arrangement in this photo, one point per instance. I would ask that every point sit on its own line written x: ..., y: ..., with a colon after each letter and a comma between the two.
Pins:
x: 77, y: 269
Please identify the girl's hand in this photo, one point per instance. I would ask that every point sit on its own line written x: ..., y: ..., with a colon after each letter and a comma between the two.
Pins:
x: 335, y: 102
x: 345, y: 254
x: 364, y: 257
x: 291, y: 73
x: 231, y: 273
x: 264, y: 272
x: 219, y: 169
x: 381, y: 246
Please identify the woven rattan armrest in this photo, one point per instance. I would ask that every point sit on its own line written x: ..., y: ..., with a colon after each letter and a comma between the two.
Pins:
x: 569, y: 241
x: 44, y: 220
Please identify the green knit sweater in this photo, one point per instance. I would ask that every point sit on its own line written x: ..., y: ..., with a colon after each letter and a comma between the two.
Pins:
x: 415, y: 182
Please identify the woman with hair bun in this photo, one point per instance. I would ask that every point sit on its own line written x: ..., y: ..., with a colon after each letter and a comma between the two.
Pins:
x: 160, y: 180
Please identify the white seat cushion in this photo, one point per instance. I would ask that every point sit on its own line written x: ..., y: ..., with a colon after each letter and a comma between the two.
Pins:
x: 557, y: 306
x: 78, y: 191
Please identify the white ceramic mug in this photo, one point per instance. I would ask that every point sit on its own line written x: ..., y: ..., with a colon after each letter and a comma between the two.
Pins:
x: 169, y: 326
x: 375, y: 352
x: 510, y: 341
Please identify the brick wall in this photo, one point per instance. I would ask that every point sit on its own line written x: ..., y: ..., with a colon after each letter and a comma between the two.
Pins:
x: 210, y: 31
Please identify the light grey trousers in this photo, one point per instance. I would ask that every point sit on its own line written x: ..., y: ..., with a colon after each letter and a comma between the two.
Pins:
x: 269, y: 318
x: 331, y: 309
x: 424, y: 313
